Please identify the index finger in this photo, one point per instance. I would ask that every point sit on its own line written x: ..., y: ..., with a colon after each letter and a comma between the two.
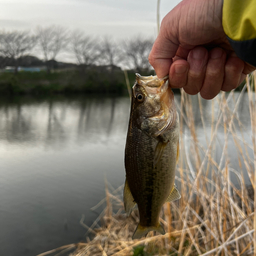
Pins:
x: 161, y: 55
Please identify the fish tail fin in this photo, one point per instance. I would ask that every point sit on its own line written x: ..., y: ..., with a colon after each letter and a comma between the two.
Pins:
x: 142, y: 231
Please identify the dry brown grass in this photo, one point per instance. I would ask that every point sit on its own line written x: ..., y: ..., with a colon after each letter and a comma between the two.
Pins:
x: 213, y: 217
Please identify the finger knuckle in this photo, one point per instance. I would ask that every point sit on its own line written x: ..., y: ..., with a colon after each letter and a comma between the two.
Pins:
x: 151, y: 59
x: 215, y: 73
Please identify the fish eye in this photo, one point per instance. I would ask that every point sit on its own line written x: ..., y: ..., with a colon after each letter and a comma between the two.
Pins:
x: 140, y: 97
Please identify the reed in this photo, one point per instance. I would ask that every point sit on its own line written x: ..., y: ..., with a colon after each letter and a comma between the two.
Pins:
x: 215, y: 216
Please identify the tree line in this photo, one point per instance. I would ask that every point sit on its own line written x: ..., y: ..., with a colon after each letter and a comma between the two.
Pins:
x: 87, y: 50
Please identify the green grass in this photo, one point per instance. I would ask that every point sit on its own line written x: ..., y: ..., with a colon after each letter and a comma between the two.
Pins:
x: 91, y: 80
x: 139, y: 251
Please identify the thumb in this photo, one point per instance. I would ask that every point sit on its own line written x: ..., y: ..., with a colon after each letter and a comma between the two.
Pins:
x: 162, y: 53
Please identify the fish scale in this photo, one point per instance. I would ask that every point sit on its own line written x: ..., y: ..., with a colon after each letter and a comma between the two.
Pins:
x: 151, y: 152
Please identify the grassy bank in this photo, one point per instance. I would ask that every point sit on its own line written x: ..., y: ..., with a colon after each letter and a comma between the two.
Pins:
x: 90, y: 80
x: 215, y: 215
x: 70, y: 81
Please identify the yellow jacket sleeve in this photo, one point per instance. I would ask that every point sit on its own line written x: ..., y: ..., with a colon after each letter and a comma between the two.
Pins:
x: 239, y: 24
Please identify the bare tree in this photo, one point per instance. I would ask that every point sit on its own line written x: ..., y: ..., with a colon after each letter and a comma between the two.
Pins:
x: 15, y: 44
x: 110, y: 52
x: 85, y: 48
x: 136, y: 53
x: 52, y: 40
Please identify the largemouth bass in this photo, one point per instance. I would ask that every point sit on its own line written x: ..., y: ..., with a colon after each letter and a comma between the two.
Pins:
x: 151, y: 152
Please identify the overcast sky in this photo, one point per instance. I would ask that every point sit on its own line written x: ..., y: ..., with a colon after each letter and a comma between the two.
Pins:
x: 120, y: 19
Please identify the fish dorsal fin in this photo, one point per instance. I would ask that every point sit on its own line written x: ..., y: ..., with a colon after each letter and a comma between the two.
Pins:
x: 129, y: 202
x: 174, y: 195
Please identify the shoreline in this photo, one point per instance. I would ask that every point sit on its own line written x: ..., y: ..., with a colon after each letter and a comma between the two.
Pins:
x: 213, y: 215
x: 114, y: 237
x: 69, y: 82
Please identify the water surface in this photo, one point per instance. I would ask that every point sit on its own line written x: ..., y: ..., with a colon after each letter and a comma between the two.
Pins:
x: 54, y: 155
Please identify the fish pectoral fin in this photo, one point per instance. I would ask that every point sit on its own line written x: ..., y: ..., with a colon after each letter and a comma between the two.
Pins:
x: 142, y: 231
x: 178, y: 152
x: 159, y: 151
x: 129, y: 202
x: 174, y: 195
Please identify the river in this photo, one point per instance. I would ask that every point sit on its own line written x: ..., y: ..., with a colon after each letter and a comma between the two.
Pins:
x: 54, y: 156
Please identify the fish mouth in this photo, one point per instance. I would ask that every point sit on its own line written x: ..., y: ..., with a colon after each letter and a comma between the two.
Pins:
x: 151, y: 81
x: 148, y: 82
x: 154, y: 85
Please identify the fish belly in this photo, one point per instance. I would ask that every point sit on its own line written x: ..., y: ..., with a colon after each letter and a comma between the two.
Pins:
x: 149, y: 185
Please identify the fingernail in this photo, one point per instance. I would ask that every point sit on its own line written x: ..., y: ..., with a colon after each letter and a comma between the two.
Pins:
x: 179, y: 69
x: 216, y: 53
x: 197, y: 53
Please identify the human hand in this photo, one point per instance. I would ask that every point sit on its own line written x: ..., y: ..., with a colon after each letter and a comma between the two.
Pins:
x: 193, y: 49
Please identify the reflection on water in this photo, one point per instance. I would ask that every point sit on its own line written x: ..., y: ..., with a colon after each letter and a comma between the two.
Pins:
x: 52, y: 123
x: 54, y: 154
